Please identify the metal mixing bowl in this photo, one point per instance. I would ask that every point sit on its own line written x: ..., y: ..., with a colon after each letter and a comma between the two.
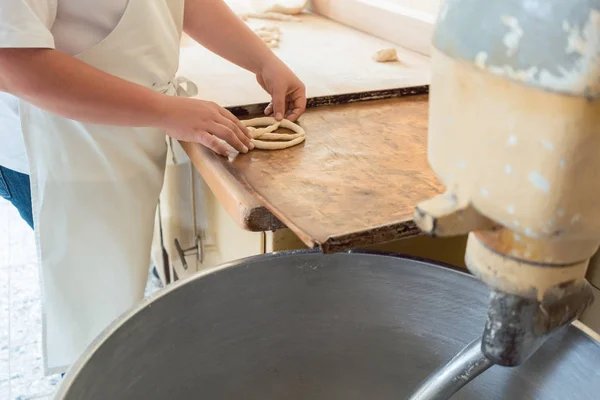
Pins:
x: 303, y: 325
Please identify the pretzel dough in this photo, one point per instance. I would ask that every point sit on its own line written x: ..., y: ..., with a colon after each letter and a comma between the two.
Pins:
x: 386, y: 55
x: 270, y: 35
x: 257, y: 132
x: 265, y: 138
x: 267, y: 35
x: 270, y: 28
x: 289, y: 7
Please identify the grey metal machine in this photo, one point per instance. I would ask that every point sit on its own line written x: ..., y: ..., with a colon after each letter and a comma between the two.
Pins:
x: 514, y: 134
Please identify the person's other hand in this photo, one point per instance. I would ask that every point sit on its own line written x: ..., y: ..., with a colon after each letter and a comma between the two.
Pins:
x: 288, y: 93
x: 204, y: 122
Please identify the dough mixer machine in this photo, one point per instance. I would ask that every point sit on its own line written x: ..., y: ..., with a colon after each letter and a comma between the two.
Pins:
x: 514, y: 134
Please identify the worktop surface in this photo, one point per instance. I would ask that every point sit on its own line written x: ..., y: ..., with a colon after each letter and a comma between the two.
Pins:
x: 330, y: 59
x: 355, y: 180
x: 363, y: 167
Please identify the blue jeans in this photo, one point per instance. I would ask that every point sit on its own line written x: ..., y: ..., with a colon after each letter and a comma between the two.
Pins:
x: 14, y: 187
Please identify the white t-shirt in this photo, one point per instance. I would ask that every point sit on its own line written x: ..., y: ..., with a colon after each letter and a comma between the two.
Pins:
x: 70, y: 26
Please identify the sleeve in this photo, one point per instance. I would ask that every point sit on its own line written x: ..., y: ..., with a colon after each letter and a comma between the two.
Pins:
x: 26, y: 23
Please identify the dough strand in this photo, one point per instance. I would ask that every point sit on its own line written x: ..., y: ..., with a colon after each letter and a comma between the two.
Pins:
x: 386, y: 55
x: 257, y: 132
x: 265, y: 138
x: 264, y: 145
x: 275, y: 16
x: 270, y: 35
x: 289, y: 7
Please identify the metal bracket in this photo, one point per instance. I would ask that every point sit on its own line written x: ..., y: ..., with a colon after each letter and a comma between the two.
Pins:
x: 197, y: 250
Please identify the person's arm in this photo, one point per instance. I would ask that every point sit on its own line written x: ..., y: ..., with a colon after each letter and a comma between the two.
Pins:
x: 215, y: 26
x: 73, y: 89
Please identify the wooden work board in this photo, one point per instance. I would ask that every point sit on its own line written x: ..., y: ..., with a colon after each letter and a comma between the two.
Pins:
x: 363, y: 168
x: 356, y: 179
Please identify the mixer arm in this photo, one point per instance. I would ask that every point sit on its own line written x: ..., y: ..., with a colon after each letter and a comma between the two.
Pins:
x: 514, y: 134
x: 453, y: 376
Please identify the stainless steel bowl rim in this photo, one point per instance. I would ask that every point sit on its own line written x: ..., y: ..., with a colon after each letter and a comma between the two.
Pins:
x: 71, y: 375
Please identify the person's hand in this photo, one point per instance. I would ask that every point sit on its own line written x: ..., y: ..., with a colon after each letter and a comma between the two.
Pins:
x: 288, y: 93
x: 205, y: 122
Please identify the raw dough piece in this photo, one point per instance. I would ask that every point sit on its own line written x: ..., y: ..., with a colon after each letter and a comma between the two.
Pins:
x: 266, y: 35
x: 386, y: 55
x: 289, y: 7
x: 270, y: 28
x: 266, y: 134
x: 270, y: 15
x: 257, y: 132
x: 270, y: 35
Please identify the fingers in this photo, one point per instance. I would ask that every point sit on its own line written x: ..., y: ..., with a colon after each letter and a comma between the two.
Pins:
x: 269, y: 109
x: 295, y: 114
x: 227, y: 114
x: 234, y: 127
x: 279, y: 101
x: 211, y: 142
x: 298, y: 100
x: 228, y: 135
x: 289, y: 106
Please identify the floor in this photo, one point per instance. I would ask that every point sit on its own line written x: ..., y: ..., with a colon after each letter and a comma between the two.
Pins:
x: 21, y: 370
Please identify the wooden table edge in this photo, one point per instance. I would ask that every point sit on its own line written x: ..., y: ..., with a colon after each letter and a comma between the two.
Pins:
x: 246, y: 207
x: 237, y: 199
x: 372, y: 236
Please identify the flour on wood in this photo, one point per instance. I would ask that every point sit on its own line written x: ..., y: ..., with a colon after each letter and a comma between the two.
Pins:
x: 386, y: 55
x: 267, y: 139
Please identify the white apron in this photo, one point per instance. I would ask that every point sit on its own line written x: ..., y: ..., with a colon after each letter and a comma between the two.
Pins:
x: 95, y: 188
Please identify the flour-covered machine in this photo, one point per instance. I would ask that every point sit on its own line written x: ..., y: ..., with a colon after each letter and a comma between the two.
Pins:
x: 514, y: 135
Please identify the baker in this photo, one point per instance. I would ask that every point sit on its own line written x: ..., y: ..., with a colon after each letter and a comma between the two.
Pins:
x: 89, y: 91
